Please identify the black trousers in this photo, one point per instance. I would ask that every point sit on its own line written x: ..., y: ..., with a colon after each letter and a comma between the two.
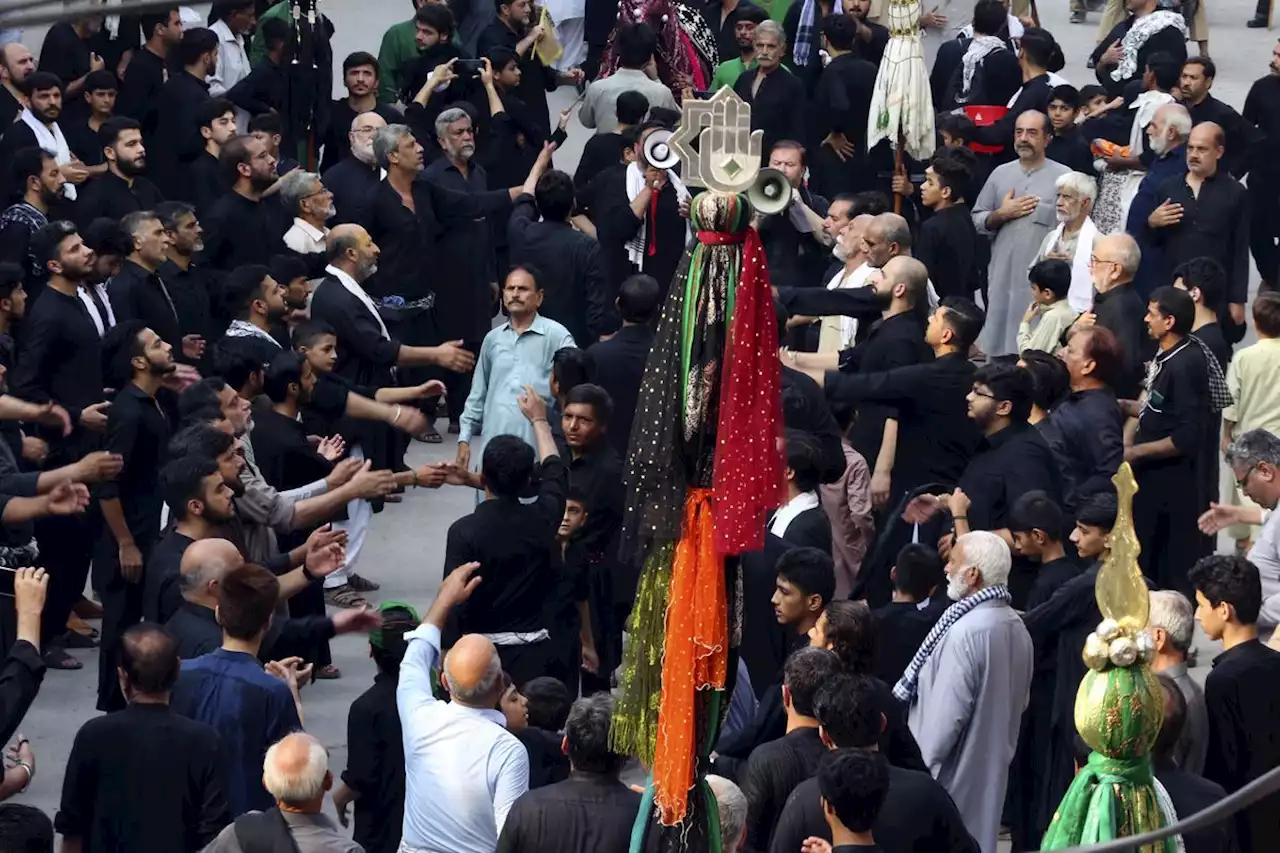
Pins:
x: 66, y: 549
x: 1165, y: 511
x: 527, y: 662
x: 1264, y: 223
x: 458, y: 386
x: 121, y: 610
x: 308, y: 602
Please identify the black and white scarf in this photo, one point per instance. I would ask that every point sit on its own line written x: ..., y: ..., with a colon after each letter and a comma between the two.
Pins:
x: 905, y: 689
x: 808, y: 26
x: 1219, y: 393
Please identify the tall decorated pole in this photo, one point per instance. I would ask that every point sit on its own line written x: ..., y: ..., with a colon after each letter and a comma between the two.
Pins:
x: 1119, y: 708
x: 902, y: 102
x: 703, y: 470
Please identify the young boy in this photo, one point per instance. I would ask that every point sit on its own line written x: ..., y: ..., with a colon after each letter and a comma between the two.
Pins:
x: 547, y: 706
x: 1037, y: 525
x: 847, y: 503
x: 568, y: 607
x: 268, y: 128
x: 800, y: 521
x: 902, y: 624
x: 948, y: 241
x: 374, y: 778
x: 1050, y: 313
x: 1067, y: 146
x: 1251, y: 378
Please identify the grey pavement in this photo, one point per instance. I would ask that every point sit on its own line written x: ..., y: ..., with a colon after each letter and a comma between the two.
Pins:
x: 406, y: 547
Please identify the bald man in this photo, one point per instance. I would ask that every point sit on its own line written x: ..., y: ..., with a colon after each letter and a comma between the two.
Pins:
x: 459, y: 751
x: 1205, y: 214
x: 16, y: 64
x: 355, y: 176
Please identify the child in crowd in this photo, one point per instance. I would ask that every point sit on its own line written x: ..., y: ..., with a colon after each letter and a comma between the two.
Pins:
x: 1037, y: 524
x: 547, y: 705
x: 847, y: 503
x: 1049, y: 314
x: 902, y: 624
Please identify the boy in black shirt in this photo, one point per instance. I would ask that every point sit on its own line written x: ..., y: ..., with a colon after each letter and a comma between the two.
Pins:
x: 902, y: 624
x: 1067, y: 146
x: 1037, y: 524
x: 374, y: 778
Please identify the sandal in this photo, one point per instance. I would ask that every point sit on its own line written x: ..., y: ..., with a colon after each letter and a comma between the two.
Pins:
x: 362, y: 584
x: 57, y: 658
x: 344, y: 596
x: 430, y: 435
x: 76, y: 640
x: 87, y: 608
x: 78, y: 626
x: 325, y: 673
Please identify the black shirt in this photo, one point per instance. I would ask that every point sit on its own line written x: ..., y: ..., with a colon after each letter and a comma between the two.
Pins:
x: 574, y: 291
x: 773, y: 772
x: 587, y: 811
x: 144, y: 778
x: 1007, y: 465
x: 1047, y: 579
x: 191, y: 291
x: 1088, y: 443
x: 84, y: 143
x: 918, y: 816
x: 901, y: 627
x: 1071, y: 149
x: 337, y: 142
x: 161, y: 595
x: 601, y: 151
x: 842, y: 102
x: 352, y: 184
x: 65, y: 54
x: 284, y: 456
x: 1241, y: 695
x: 597, y: 475
x: 109, y: 196
x: 1214, y: 224
x: 777, y: 105
x: 464, y: 311
x: 198, y: 633
x: 137, y: 429
x: 1262, y: 113
x: 724, y: 26
x: 239, y: 231
x: 512, y: 542
x: 1239, y: 134
x: 9, y: 107
x: 60, y: 359
x: 139, y: 96
x: 1190, y: 794
x: 619, y: 370
x: 1121, y: 310
x: 206, y: 183
x: 948, y: 248
x: 616, y: 223
x: 265, y: 90
x: 137, y: 294
x: 177, y: 140
x: 1168, y: 40
x: 535, y: 78
x: 375, y: 765
x: 796, y: 258
x: 1211, y: 335
x: 1177, y: 402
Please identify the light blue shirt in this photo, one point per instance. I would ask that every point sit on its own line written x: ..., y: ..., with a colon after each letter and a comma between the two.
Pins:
x: 463, y: 769
x: 507, y: 363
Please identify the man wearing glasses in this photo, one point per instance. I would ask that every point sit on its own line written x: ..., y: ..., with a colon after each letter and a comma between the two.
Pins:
x: 354, y: 178
x: 1117, y: 306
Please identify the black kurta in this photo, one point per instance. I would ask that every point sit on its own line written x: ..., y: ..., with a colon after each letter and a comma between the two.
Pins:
x: 239, y: 231
x: 841, y: 104
x: 463, y: 309
x: 375, y: 766
x: 777, y: 106
x: 177, y: 140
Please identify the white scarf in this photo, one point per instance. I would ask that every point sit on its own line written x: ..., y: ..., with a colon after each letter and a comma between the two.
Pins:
x: 787, y: 512
x: 358, y: 292
x: 52, y: 141
x: 838, y: 333
x: 1143, y: 29
x: 1080, y: 295
x: 635, y: 183
x: 103, y: 323
x: 1146, y: 105
x: 973, y: 56
x: 245, y: 329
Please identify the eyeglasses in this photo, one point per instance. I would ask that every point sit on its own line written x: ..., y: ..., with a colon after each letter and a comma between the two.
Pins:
x: 977, y: 393
x: 1241, y: 481
x: 1094, y: 260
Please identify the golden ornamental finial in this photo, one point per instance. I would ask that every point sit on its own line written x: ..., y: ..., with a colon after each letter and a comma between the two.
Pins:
x: 1120, y: 589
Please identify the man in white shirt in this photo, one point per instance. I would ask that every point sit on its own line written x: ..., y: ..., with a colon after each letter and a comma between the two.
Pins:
x: 463, y: 769
x: 234, y: 19
x: 304, y: 195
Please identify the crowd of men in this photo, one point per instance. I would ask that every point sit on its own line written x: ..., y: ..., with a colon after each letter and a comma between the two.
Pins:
x: 229, y: 303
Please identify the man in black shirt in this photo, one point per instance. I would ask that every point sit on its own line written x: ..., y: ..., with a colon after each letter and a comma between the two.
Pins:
x: 775, y: 768
x: 1118, y: 307
x: 190, y: 284
x: 266, y: 88
x: 1167, y: 451
x: 240, y: 227
x: 1068, y: 145
x: 16, y: 64
x: 777, y: 96
x: 122, y: 190
x: 100, y: 91
x: 1204, y: 213
x: 38, y: 175
x: 1088, y: 423
x: 576, y: 294
x: 1262, y: 116
x: 256, y: 302
x: 374, y: 776
x: 948, y: 243
x: 138, y: 361
x: 44, y: 113
x: 620, y: 359
x: 137, y: 291
x: 917, y: 816
x: 66, y: 52
x: 216, y: 120
x: 354, y: 178
x: 1198, y: 74
x: 1203, y: 279
x: 1240, y: 693
x: 177, y: 141
x: 145, y: 77
x: 592, y: 809
x: 795, y: 241
x: 1189, y: 792
x: 514, y: 29
x: 144, y: 778
x: 360, y: 76
x: 606, y: 149
x: 60, y: 361
x: 1160, y: 36
x: 513, y: 542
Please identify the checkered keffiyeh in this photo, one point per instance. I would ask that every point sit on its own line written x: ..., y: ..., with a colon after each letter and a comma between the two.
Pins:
x: 805, y: 34
x: 905, y: 689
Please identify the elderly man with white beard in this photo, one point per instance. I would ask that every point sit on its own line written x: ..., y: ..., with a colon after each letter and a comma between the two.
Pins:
x: 1167, y: 135
x: 1072, y: 240
x: 353, y: 179
x: 969, y: 683
x: 304, y: 195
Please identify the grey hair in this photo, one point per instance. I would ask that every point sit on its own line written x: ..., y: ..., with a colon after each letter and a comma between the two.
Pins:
x: 894, y: 229
x: 131, y: 223
x: 304, y: 784
x: 1253, y: 447
x: 1129, y: 254
x: 339, y: 244
x: 586, y: 732
x: 1080, y: 184
x: 772, y: 28
x: 387, y: 140
x: 482, y: 689
x: 294, y: 187
x: 989, y: 554
x: 171, y: 213
x: 448, y: 117
x: 1171, y: 611
x: 733, y: 809
x: 213, y: 569
x: 1178, y: 119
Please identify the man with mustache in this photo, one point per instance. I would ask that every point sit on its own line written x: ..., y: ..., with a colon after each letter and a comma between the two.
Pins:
x: 1016, y: 210
x: 240, y: 228
x: 42, y: 182
x: 122, y: 190
x: 311, y: 203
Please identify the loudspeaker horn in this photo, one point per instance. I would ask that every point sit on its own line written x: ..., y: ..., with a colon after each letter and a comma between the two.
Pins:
x: 771, y: 193
x: 658, y: 150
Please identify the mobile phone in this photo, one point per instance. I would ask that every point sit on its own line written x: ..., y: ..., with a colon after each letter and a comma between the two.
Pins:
x: 468, y: 67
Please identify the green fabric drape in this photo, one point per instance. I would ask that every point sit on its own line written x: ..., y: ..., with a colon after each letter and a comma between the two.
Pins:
x: 1110, y: 798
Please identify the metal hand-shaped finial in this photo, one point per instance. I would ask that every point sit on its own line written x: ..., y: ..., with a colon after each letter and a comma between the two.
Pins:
x: 727, y: 158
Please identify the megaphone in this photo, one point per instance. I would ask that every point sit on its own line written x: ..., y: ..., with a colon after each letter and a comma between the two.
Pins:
x: 771, y: 193
x: 658, y: 150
